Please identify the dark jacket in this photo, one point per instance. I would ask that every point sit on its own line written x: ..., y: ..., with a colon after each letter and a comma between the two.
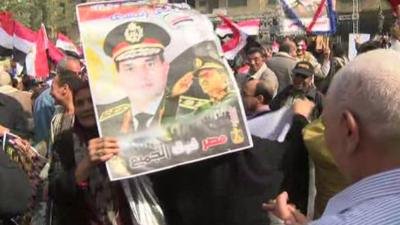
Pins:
x: 229, y: 190
x: 289, y: 92
x: 70, y: 201
x: 15, y: 189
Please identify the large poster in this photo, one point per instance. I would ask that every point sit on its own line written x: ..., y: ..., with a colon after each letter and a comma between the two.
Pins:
x: 308, y: 16
x: 160, y: 85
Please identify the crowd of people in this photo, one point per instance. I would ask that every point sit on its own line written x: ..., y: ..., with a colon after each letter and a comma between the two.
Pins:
x: 338, y: 164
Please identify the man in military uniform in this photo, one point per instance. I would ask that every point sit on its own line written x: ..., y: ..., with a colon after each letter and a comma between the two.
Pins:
x: 137, y: 49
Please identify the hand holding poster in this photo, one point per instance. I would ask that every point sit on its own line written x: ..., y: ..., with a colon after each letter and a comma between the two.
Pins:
x: 160, y: 85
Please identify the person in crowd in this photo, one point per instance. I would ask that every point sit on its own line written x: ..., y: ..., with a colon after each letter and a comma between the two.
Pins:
x: 321, y: 69
x: 282, y: 64
x: 364, y: 143
x: 23, y: 97
x: 338, y: 61
x: 61, y: 90
x: 302, y: 87
x: 15, y: 191
x: 257, y: 95
x: 12, y: 117
x: 259, y: 69
x: 43, y: 110
x: 79, y: 184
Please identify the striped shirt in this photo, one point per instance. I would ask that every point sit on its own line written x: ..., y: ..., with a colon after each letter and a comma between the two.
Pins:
x: 374, y: 200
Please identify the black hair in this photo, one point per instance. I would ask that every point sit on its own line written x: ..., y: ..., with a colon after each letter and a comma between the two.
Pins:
x: 255, y: 50
x: 286, y: 47
x: 262, y: 89
x: 68, y: 77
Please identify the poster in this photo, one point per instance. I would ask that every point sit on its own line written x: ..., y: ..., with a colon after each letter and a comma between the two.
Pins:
x: 160, y: 85
x: 308, y: 17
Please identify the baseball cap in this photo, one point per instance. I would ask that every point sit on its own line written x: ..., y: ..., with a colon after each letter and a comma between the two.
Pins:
x: 303, y: 68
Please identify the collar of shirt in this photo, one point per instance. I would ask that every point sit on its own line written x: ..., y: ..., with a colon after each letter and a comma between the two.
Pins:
x: 152, y: 110
x: 375, y: 186
x: 258, y: 74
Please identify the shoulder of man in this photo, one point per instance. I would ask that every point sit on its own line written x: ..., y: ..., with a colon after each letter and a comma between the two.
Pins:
x: 112, y: 110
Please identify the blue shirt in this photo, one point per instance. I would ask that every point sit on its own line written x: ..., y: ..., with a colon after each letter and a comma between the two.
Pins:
x: 374, y: 200
x: 43, y: 111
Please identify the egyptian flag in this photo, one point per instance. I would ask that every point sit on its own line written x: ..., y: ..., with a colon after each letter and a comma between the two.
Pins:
x: 24, y: 42
x: 40, y: 65
x: 55, y: 54
x: 232, y: 47
x: 64, y: 43
x: 6, y: 33
x: 250, y: 27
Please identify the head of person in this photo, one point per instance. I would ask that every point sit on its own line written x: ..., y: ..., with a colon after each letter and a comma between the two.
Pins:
x: 256, y: 93
x: 338, y: 50
x: 361, y: 115
x: 83, y: 105
x: 302, y: 75
x: 301, y: 45
x: 289, y: 47
x: 5, y: 79
x: 64, y: 82
x: 137, y: 48
x: 256, y: 58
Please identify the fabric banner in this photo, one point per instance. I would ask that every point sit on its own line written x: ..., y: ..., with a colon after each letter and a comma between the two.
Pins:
x: 250, y: 27
x: 160, y: 84
x: 308, y: 17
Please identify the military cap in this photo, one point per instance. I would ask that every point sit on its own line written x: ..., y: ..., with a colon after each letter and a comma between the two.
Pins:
x: 135, y: 39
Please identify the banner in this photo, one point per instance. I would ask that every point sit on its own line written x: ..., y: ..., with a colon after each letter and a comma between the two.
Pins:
x: 250, y: 27
x: 308, y: 17
x: 160, y: 85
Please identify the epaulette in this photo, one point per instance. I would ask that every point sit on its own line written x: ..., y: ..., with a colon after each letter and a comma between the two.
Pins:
x: 114, y: 111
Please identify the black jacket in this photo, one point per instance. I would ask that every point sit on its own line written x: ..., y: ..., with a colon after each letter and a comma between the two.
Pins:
x: 15, y: 189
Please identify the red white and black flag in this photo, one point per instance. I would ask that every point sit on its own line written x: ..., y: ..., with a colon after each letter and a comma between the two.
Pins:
x: 232, y: 47
x: 6, y: 33
x: 64, y: 43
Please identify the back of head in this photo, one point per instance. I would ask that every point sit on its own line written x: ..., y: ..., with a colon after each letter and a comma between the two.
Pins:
x: 265, y: 89
x: 5, y: 78
x: 369, y: 87
x: 287, y: 46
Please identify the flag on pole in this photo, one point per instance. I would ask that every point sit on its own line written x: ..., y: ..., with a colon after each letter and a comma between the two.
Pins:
x: 250, y: 27
x: 24, y: 41
x: 41, y: 65
x: 6, y: 33
x: 54, y: 53
x: 232, y: 47
x: 64, y: 43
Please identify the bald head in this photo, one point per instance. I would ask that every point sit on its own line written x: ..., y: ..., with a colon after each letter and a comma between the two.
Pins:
x: 369, y: 87
x: 257, y: 94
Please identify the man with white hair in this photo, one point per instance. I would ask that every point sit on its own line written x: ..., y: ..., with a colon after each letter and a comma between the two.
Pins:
x: 362, y: 120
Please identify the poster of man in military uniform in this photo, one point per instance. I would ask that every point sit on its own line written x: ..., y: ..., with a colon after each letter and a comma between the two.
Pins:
x: 160, y: 85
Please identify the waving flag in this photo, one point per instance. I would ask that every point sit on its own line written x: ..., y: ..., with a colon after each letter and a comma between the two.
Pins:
x: 41, y: 65
x: 232, y: 47
x: 6, y: 34
x: 64, y: 43
x: 250, y: 27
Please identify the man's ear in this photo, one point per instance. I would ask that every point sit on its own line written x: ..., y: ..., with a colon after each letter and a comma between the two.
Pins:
x: 260, y: 98
x: 351, y: 132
